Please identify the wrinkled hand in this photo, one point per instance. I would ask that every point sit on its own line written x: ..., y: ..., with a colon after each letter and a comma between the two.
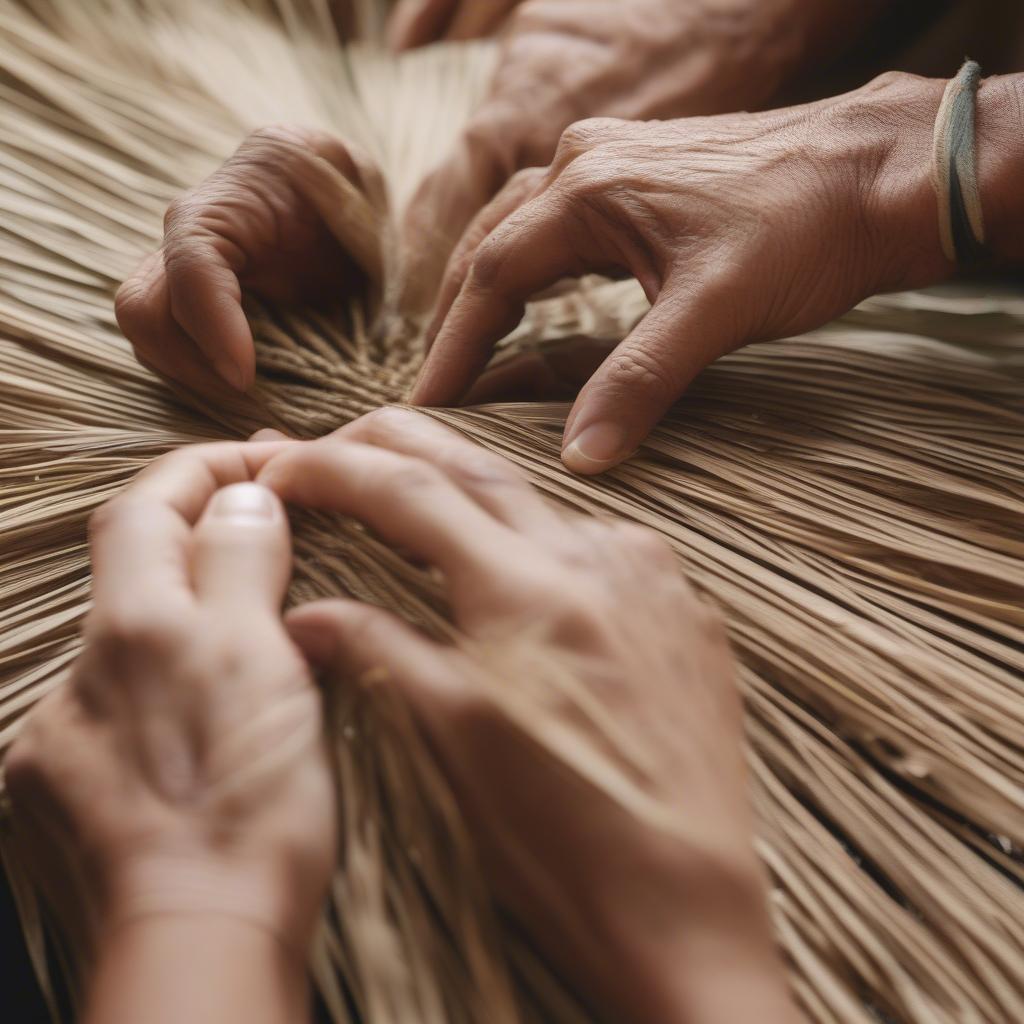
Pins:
x: 740, y: 228
x: 182, y: 769
x: 565, y: 60
x: 288, y: 217
x: 680, y: 911
x: 418, y: 22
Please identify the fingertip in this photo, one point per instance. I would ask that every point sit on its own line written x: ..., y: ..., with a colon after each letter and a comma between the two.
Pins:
x: 241, y: 551
x: 311, y: 635
x: 205, y: 299
x: 247, y: 502
x: 269, y: 434
x: 232, y: 374
x: 596, y: 447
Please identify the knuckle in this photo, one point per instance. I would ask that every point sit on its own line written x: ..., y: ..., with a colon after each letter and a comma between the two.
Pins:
x: 179, y: 208
x: 130, y: 626
x: 280, y: 133
x: 411, y: 475
x: 636, y: 369
x: 183, y: 253
x: 487, y: 262
x: 172, y: 214
x: 579, y: 607
x: 483, y: 469
x: 133, y: 307
x: 644, y: 542
x: 578, y: 549
x: 592, y: 174
x: 389, y: 420
x: 109, y: 516
x: 525, y: 182
x: 583, y: 136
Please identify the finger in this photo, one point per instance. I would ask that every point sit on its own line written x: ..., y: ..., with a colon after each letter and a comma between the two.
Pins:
x: 206, y: 297
x: 552, y: 373
x: 408, y: 502
x: 452, y: 195
x: 269, y: 434
x: 491, y: 481
x: 241, y: 549
x: 368, y: 645
x: 521, y: 188
x: 637, y: 384
x: 530, y: 251
x: 139, y: 541
x: 477, y: 19
x: 143, y: 310
x: 418, y: 22
x: 356, y: 639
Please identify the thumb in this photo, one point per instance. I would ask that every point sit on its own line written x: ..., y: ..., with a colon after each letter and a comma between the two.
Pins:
x: 241, y: 549
x: 637, y: 384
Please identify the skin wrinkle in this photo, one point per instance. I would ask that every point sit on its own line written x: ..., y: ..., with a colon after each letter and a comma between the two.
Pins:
x: 731, y: 185
x: 695, y: 59
x: 663, y: 476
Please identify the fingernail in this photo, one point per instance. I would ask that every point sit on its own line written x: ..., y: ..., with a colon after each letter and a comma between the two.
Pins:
x: 245, y: 502
x: 229, y: 372
x: 595, y: 447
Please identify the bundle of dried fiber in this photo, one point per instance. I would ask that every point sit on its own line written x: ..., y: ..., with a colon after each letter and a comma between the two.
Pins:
x: 851, y: 499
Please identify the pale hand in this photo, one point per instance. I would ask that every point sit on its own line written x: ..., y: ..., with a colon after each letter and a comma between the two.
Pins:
x: 182, y: 769
x: 680, y: 911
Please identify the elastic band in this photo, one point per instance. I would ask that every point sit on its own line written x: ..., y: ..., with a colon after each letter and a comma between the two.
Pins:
x: 961, y: 227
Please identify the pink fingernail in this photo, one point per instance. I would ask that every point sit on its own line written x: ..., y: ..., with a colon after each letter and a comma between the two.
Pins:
x: 595, y: 448
x: 244, y: 502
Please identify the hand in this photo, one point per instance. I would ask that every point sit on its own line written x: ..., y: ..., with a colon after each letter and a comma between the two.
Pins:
x: 181, y: 772
x: 418, y: 22
x: 293, y: 215
x: 674, y: 899
x: 740, y: 228
x: 565, y: 60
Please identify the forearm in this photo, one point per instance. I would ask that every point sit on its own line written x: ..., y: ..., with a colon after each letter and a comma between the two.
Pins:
x: 195, y: 969
x: 685, y: 937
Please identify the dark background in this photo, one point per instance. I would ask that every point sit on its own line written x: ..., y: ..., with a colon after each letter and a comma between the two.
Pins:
x: 20, y: 999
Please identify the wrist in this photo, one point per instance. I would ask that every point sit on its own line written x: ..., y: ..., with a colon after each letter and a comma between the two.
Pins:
x: 890, y: 124
x: 884, y: 133
x: 256, y: 893
x: 231, y: 969
x: 691, y: 940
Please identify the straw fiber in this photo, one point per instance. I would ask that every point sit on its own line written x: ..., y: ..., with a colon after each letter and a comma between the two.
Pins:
x: 852, y: 500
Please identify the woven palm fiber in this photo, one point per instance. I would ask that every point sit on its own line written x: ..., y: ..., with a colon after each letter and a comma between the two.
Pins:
x: 851, y: 499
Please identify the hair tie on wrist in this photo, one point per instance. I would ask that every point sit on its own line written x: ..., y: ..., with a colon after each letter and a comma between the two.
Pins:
x: 961, y: 228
